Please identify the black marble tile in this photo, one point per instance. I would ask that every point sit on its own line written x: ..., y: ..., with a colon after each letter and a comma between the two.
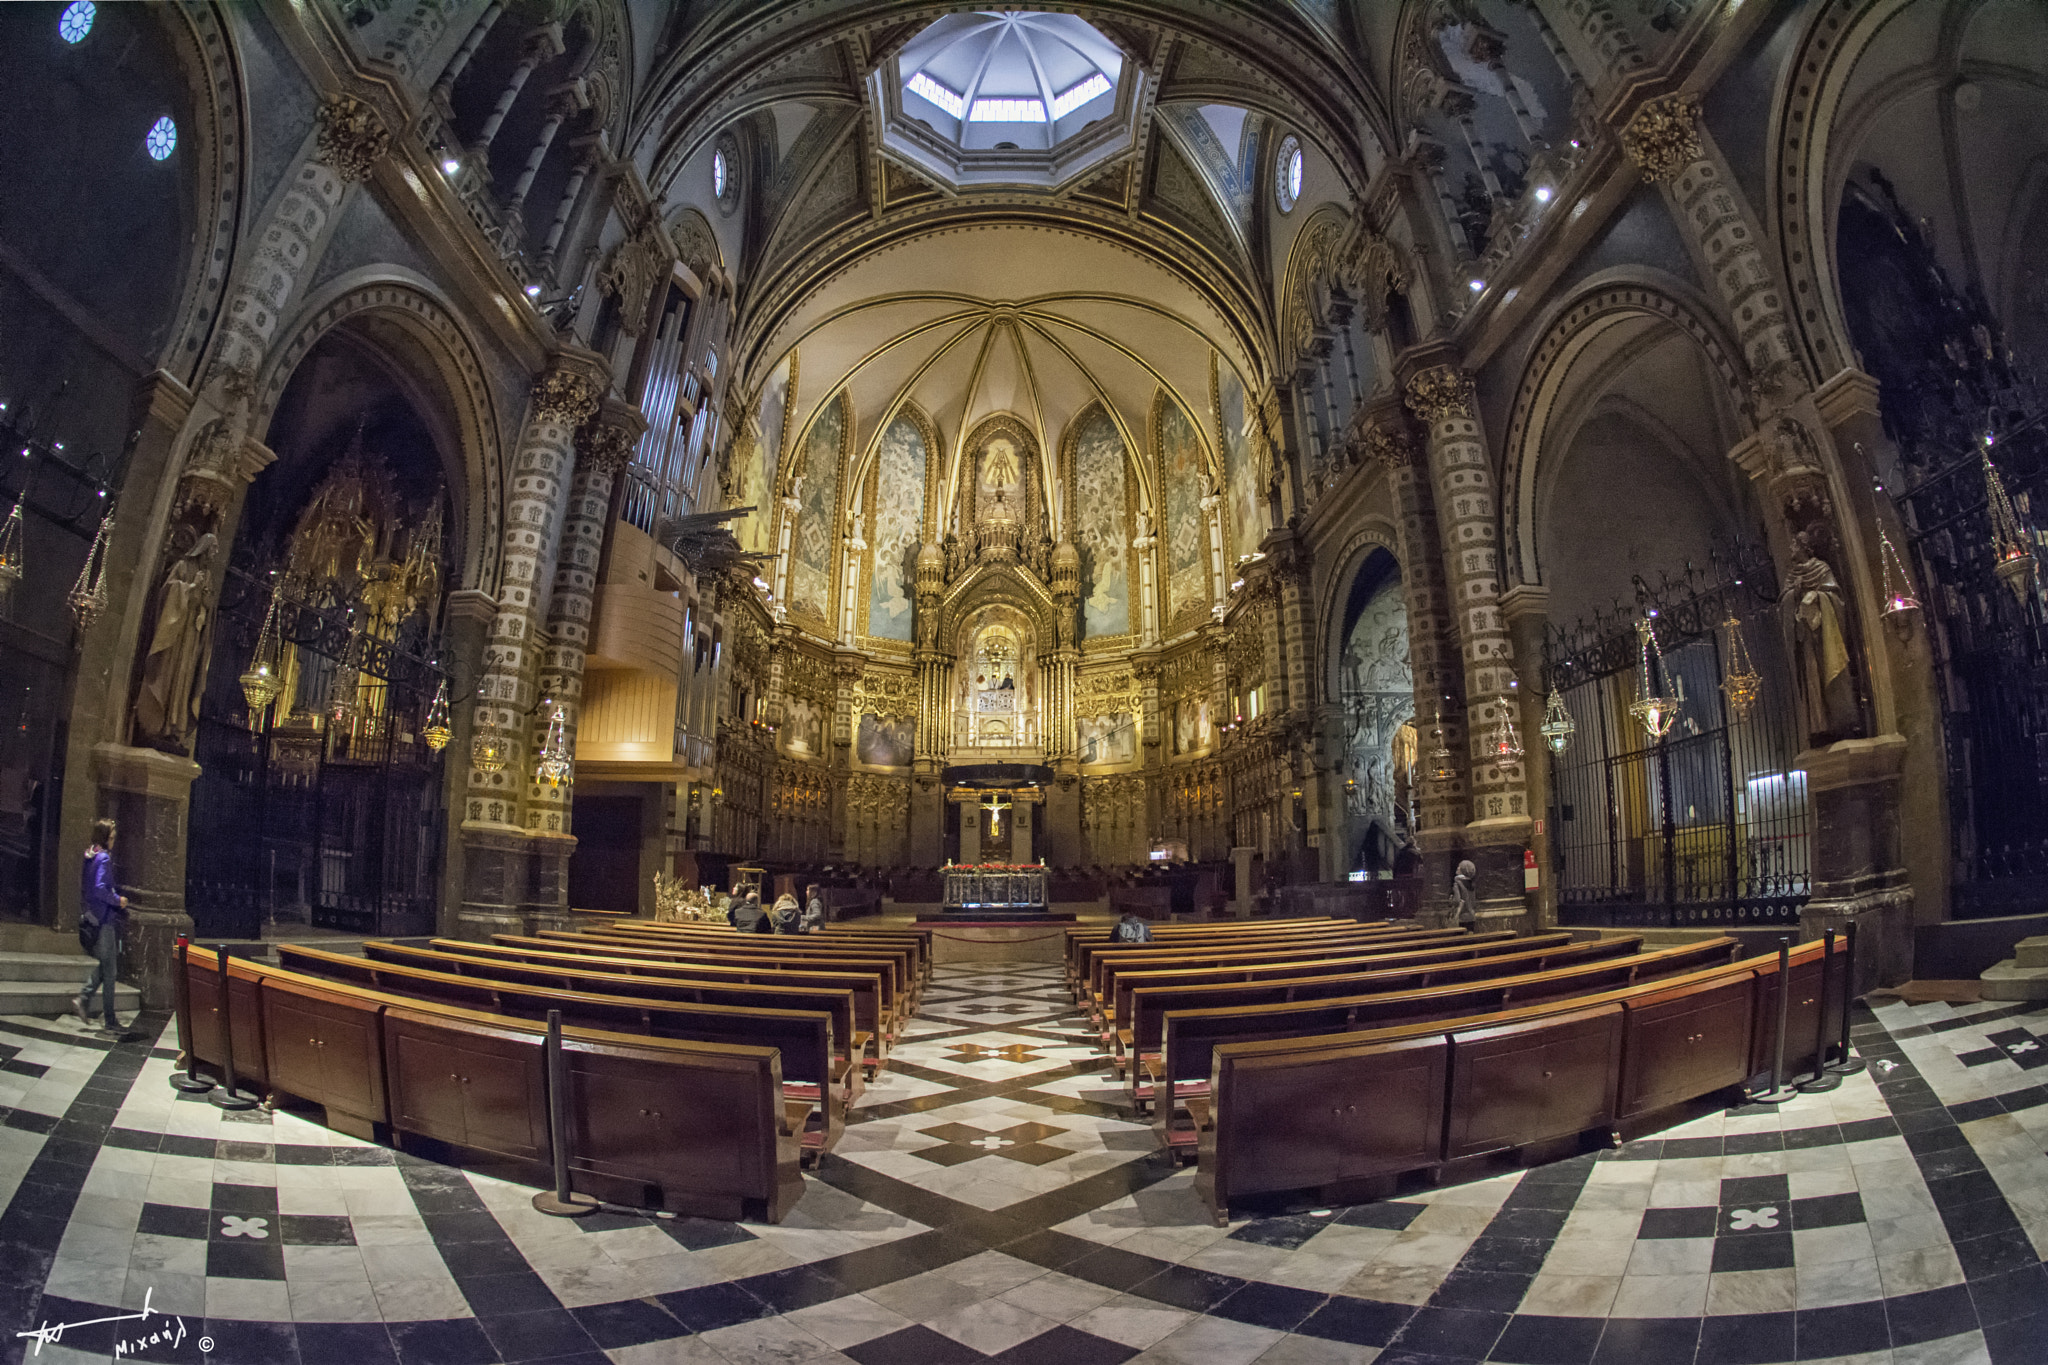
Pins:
x: 1848, y: 1329
x: 1679, y: 1148
x: 1929, y: 1141
x: 1474, y: 1286
x: 1803, y: 1139
x: 174, y: 1220
x: 703, y: 1234
x: 1755, y: 1191
x: 175, y: 1145
x: 345, y: 1343
x: 1542, y: 1224
x: 1996, y: 1254
x: 300, y: 1154
x: 452, y: 1228
x: 1738, y: 1144
x: 1754, y: 1251
x: 2020, y: 1341
x: 1981, y: 1219
x: 237, y: 1259
x: 512, y: 1291
x: 1747, y: 1338
x: 712, y: 1306
x: 316, y: 1230
x: 1869, y: 1130
x: 1974, y: 1110
x: 1391, y: 1214
x: 245, y: 1200
x: 2013, y: 1294
x: 914, y: 1346
x: 1648, y: 1341
x: 1287, y: 1232
x: 543, y: 1335
x: 1515, y: 1255
x: 1362, y: 1322
x: 1185, y: 1287
x: 1827, y: 1211
x: 1930, y: 1315
x: 448, y: 1341
x: 1679, y: 1222
x: 796, y: 1287
x: 1269, y: 1305
x: 133, y: 1141
x: 629, y: 1322
x: 1113, y: 1269
x: 265, y: 1341
x: 1536, y: 1340
x: 1065, y: 1345
x: 1462, y: 1333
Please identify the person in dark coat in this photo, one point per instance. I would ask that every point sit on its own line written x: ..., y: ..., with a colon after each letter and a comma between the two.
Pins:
x: 746, y: 914
x: 814, y: 911
x: 102, y: 919
x: 1467, y: 896
x: 786, y: 914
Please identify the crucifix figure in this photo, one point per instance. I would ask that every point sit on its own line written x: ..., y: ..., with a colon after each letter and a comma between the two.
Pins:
x: 995, y: 806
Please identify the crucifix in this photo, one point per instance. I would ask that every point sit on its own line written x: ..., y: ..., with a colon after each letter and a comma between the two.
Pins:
x: 995, y: 806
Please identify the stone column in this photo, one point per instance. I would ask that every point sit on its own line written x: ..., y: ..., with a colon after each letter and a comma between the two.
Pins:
x: 1597, y: 38
x: 542, y: 44
x: 1467, y: 516
x: 561, y: 104
x: 498, y: 883
x: 465, y: 635
x: 559, y: 224
x: 970, y: 830
x: 444, y: 88
x: 148, y: 794
x: 1526, y: 608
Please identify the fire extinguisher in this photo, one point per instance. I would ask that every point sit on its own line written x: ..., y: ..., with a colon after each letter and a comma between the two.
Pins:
x: 1531, y: 879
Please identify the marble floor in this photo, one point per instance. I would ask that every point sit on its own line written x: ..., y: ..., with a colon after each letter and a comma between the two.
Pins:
x: 993, y: 1198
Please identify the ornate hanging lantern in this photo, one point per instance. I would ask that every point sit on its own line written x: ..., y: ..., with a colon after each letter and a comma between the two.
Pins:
x: 1505, y: 744
x: 1740, y: 682
x: 260, y: 681
x: 1898, y: 588
x: 343, y: 701
x: 1558, y: 727
x: 1656, y: 714
x: 555, y: 764
x: 437, y: 732
x: 2010, y: 542
x: 1441, y: 768
x: 12, y: 563
x: 489, y: 749
x: 88, y: 596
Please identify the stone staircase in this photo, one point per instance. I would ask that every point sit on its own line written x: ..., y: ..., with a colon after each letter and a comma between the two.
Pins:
x: 45, y: 983
x: 2023, y: 976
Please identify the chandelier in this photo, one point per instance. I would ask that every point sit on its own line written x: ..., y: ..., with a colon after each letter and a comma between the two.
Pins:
x: 555, y: 764
x: 1740, y: 682
x: 88, y: 596
x: 343, y: 701
x: 2009, y: 538
x: 437, y: 732
x: 1655, y: 713
x: 260, y: 680
x: 1898, y: 588
x: 1558, y: 727
x: 1441, y: 768
x: 489, y: 749
x: 12, y: 561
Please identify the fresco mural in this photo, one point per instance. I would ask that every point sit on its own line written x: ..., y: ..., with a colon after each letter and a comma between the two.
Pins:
x: 1379, y: 707
x: 1100, y: 532
x: 757, y: 472
x: 899, y: 514
x: 1107, y: 739
x: 1241, y: 477
x: 810, y: 550
x: 885, y: 741
x: 1185, y: 483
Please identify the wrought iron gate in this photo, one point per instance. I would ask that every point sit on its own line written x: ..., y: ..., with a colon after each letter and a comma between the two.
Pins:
x: 1706, y: 826
x: 344, y: 820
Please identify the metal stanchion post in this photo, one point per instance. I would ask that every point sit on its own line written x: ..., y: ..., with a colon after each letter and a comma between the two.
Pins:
x: 229, y: 1095
x: 1822, y: 1078
x: 1844, y: 1064
x: 1779, y: 1091
x: 190, y: 1081
x: 559, y: 1201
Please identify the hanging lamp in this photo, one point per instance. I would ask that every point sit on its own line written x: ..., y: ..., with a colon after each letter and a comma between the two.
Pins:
x: 1740, y: 682
x: 1656, y: 714
x: 1898, y: 588
x: 1505, y: 744
x: 1558, y: 727
x: 1441, y: 768
x: 12, y: 563
x: 2010, y: 542
x: 88, y: 596
x: 260, y: 680
x: 555, y: 764
x: 489, y: 749
x: 437, y: 732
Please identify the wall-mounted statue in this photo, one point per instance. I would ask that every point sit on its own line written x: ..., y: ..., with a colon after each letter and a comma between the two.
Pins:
x: 1828, y: 705
x: 167, y: 703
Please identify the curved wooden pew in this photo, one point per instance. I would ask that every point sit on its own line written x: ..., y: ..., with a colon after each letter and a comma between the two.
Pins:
x: 1162, y: 932
x: 1088, y: 956
x: 768, y: 958
x: 782, y: 949
x: 811, y: 1070
x: 700, y: 1129
x: 1104, y: 967
x: 1342, y: 1114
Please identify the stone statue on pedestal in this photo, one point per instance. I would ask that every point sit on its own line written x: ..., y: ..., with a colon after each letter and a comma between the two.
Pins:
x: 167, y: 703
x: 1828, y: 706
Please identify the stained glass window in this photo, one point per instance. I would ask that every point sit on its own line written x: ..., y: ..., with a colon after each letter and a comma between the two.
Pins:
x: 1288, y: 174
x: 76, y: 20
x: 162, y: 139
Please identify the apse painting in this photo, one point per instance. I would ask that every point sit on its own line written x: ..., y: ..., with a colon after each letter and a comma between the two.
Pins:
x: 1099, y: 502
x: 899, y: 512
x: 810, y: 568
x: 1247, y: 517
x: 1181, y: 474
x: 757, y: 471
x: 884, y: 741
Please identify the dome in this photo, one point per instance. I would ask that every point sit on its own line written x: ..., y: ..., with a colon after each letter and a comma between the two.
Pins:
x: 1027, y: 79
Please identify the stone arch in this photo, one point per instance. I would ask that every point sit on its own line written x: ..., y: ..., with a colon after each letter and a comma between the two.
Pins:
x: 221, y: 144
x: 408, y: 320
x: 1375, y: 534
x: 1550, y: 374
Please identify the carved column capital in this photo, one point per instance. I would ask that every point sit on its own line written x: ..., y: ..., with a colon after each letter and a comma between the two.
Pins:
x: 352, y: 137
x: 604, y: 448
x: 1440, y: 393
x: 564, y: 396
x: 1663, y: 138
x: 1392, y: 447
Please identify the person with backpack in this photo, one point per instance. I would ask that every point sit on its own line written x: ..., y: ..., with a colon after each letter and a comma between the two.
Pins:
x: 786, y: 914
x: 102, y: 918
x: 1132, y: 929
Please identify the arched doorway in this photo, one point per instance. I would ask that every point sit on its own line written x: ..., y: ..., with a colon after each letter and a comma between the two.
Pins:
x: 328, y: 804
x: 1376, y: 687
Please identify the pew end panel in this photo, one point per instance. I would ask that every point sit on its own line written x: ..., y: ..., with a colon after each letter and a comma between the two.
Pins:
x: 471, y: 1082
x: 325, y: 1047
x: 202, y: 984
x: 1523, y: 1084
x: 1687, y: 1040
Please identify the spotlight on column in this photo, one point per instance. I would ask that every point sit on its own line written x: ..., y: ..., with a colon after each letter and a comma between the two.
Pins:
x: 1543, y: 194
x: 1478, y: 285
x: 450, y: 165
x: 533, y: 291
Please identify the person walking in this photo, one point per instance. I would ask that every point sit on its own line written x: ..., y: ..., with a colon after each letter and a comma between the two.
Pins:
x: 1467, y: 897
x: 102, y: 918
x: 814, y: 911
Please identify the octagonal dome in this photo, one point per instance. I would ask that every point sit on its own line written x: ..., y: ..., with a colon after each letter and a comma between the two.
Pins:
x: 1007, y: 98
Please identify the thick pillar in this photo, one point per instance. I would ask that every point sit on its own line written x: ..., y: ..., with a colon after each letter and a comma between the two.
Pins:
x: 969, y: 814
x: 148, y: 794
x: 1467, y: 518
x: 561, y: 104
x: 1526, y: 608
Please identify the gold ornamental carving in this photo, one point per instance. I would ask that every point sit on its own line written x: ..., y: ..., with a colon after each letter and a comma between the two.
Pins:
x: 1391, y: 448
x: 630, y: 273
x: 564, y: 397
x: 604, y: 448
x: 1441, y: 393
x: 352, y: 138
x: 1663, y: 138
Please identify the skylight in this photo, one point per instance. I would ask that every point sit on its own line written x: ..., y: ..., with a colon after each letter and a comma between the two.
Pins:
x: 1068, y: 101
x: 1007, y: 111
x: 921, y: 84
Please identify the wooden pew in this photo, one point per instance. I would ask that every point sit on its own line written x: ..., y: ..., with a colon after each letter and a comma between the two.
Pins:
x: 914, y: 950
x: 870, y: 1017
x: 890, y: 968
x: 582, y: 974
x: 1103, y: 967
x: 786, y: 950
x: 1081, y: 943
x: 694, y: 1128
x: 918, y: 942
x: 811, y: 1069
x: 1364, y: 1107
x: 1189, y: 1038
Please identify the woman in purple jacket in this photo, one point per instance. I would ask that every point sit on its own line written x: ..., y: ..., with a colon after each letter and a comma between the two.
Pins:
x: 102, y: 908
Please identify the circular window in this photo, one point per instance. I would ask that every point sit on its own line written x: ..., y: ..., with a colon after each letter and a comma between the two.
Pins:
x: 1287, y: 173
x: 162, y: 139
x: 76, y: 20
x: 725, y: 186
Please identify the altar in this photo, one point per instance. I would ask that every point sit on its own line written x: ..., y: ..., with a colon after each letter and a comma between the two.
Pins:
x: 996, y: 887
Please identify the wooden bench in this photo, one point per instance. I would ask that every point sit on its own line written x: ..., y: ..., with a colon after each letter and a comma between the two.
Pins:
x: 694, y: 1128
x: 870, y: 1017
x: 1355, y: 1110
x: 1103, y: 967
x: 768, y: 957
x: 788, y: 950
x: 917, y: 942
x: 1078, y: 941
x: 585, y: 974
x: 1089, y: 982
x: 810, y: 1068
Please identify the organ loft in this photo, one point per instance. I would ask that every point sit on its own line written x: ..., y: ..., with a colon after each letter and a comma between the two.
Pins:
x: 1158, y: 680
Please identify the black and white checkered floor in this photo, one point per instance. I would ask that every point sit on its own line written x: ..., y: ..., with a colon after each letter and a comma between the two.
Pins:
x: 994, y: 1198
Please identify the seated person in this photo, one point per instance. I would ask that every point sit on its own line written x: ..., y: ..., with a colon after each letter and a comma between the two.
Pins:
x: 1132, y: 929
x: 785, y: 915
